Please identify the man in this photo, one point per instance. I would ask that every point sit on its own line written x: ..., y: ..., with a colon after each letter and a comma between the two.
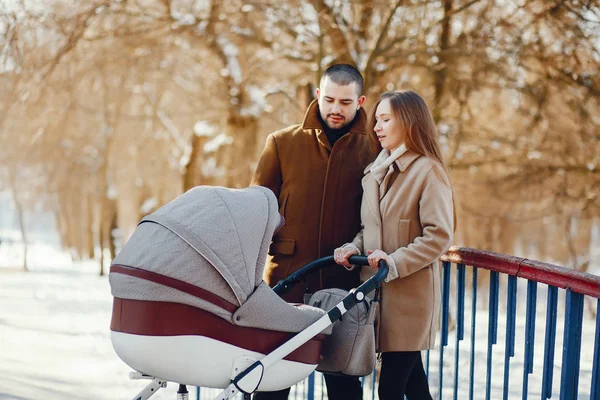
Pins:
x: 315, y: 170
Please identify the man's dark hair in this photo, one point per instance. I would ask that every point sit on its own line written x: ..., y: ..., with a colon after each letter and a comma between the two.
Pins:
x: 344, y: 74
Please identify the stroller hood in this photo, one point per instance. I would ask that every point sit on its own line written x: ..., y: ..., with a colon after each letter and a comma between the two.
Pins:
x: 230, y: 229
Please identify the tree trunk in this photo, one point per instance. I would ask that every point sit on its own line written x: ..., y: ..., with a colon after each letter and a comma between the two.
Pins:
x: 442, y: 71
x: 24, y: 238
x: 306, y: 94
x: 89, y: 228
x: 101, y: 241
x: 327, y: 22
x: 507, y: 235
x: 71, y: 215
x: 239, y: 156
x: 20, y: 214
x: 111, y: 236
x: 108, y: 222
x: 193, y: 171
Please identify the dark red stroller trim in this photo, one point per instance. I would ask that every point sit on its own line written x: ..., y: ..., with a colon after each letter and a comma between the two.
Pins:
x: 159, y: 318
x: 175, y: 284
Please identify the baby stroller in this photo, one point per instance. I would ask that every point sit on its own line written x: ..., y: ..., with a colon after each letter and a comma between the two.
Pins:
x: 190, y: 305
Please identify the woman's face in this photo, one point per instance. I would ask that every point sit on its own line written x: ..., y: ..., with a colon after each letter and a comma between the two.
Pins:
x: 388, y: 128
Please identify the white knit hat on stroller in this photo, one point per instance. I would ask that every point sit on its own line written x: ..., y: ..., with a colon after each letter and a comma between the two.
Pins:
x: 190, y: 305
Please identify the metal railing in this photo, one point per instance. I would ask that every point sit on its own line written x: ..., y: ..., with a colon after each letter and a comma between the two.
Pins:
x: 528, y: 371
x: 575, y: 286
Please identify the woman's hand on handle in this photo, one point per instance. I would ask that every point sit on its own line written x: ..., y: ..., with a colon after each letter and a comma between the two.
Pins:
x: 374, y: 256
x: 341, y: 255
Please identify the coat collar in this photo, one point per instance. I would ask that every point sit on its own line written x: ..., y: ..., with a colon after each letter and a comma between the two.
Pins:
x: 372, y: 187
x: 406, y: 159
x: 385, y: 160
x: 403, y: 162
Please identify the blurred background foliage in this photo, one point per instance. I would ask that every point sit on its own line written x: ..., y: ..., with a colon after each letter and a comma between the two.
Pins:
x: 109, y: 109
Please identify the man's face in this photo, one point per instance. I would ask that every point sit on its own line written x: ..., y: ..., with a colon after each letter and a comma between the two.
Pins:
x: 338, y: 104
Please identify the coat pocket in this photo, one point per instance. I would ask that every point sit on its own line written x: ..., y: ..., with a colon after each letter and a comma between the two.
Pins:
x: 404, y: 233
x: 282, y: 246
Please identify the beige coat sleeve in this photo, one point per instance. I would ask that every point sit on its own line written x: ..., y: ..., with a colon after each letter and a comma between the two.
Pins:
x: 358, y: 241
x: 268, y: 171
x: 437, y: 221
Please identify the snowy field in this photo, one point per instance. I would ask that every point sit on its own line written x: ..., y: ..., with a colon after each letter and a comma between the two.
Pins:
x: 54, y: 337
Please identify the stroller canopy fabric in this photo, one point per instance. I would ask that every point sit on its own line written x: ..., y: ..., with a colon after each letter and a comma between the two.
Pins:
x: 230, y: 229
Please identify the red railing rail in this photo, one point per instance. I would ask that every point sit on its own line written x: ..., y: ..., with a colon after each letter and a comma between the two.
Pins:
x: 579, y: 282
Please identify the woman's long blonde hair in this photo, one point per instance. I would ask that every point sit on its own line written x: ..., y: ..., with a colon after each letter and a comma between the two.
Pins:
x: 419, y: 130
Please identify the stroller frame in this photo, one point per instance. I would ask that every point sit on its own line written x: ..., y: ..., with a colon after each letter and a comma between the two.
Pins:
x: 248, y: 380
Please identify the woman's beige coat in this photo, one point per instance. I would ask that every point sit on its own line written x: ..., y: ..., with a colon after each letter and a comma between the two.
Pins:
x: 411, y: 220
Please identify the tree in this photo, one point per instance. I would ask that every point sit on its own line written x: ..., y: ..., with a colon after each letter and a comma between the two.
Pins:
x: 126, y: 104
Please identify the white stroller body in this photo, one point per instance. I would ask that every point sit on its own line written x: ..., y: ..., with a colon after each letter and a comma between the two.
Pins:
x: 190, y: 305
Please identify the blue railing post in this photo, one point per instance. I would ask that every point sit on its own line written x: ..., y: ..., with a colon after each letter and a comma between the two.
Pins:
x: 492, y: 328
x: 473, y: 320
x: 595, y: 393
x: 311, y: 386
x: 529, y: 334
x: 460, y: 319
x: 509, y: 350
x: 445, y: 311
x: 571, y: 346
x: 549, y: 343
x: 372, y: 384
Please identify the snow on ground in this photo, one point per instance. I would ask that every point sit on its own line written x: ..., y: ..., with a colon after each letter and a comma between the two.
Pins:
x: 40, y: 256
x: 54, y: 339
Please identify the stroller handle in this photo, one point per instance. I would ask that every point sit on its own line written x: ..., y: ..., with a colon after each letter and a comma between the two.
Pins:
x: 286, y: 285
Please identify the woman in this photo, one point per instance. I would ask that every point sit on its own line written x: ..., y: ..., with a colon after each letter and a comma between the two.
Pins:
x: 408, y: 220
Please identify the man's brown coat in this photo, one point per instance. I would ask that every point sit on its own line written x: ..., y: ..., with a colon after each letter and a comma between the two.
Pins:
x: 319, y: 191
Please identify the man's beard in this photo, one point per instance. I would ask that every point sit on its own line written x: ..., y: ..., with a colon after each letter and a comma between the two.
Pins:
x: 339, y: 125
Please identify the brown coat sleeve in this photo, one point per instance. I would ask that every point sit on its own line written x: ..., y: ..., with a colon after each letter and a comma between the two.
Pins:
x: 437, y: 220
x: 268, y: 171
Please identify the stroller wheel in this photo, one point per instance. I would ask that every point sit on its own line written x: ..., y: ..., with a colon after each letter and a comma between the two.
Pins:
x: 182, y: 393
